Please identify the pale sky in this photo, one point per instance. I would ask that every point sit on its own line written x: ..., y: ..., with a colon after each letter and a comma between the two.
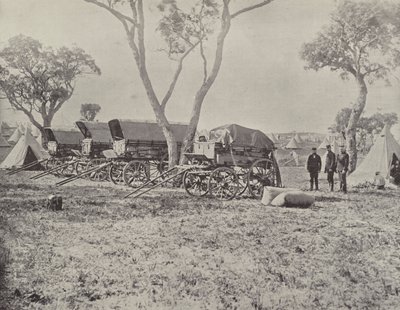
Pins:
x: 262, y: 83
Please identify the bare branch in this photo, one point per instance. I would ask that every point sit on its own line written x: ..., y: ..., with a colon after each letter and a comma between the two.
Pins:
x: 176, y: 75
x: 250, y: 8
x: 114, y: 12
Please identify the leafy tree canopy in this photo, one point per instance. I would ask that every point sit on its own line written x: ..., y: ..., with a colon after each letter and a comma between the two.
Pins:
x: 39, y: 80
x: 89, y: 111
x: 369, y: 124
x: 361, y: 40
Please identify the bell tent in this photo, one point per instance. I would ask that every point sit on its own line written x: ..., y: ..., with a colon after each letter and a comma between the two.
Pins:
x: 379, y: 158
x: 325, y: 142
x: 27, y: 150
x: 14, y: 138
x: 298, y: 139
x: 273, y: 138
x: 3, y: 142
x: 292, y: 145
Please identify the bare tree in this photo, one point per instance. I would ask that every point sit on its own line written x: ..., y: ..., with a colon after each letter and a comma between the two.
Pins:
x: 38, y: 80
x: 183, y: 32
x: 361, y: 42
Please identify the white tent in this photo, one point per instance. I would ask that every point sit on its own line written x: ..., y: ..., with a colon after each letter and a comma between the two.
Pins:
x: 35, y: 132
x: 273, y: 138
x: 298, y: 139
x: 14, y: 138
x: 292, y: 145
x: 325, y: 142
x: 3, y: 142
x: 26, y: 150
x: 396, y: 132
x: 379, y: 158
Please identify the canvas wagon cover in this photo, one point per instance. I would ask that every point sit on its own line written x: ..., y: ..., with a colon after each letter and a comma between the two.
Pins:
x: 234, y: 134
x: 143, y: 130
x: 63, y: 136
x: 98, y: 131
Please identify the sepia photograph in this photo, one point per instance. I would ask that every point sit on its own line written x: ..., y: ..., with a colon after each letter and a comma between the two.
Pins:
x: 199, y: 154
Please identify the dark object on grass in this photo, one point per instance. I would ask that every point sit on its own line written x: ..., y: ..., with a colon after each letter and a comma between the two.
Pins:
x: 54, y: 202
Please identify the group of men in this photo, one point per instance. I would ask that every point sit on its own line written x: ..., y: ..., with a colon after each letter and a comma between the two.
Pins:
x: 333, y: 163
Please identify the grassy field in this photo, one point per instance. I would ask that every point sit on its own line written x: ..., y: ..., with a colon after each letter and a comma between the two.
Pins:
x: 171, y: 251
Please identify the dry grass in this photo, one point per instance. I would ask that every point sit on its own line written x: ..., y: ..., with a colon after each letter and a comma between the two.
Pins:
x: 170, y: 251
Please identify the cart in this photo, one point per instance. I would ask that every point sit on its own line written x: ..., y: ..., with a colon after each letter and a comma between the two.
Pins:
x: 140, y: 150
x: 235, y: 160
x: 97, y: 139
x: 63, y: 147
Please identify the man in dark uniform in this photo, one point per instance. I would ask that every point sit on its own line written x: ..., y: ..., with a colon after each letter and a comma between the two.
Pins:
x: 314, y: 167
x: 330, y: 166
x: 342, y: 162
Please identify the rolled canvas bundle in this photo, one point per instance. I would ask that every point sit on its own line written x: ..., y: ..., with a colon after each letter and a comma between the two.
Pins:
x: 286, y: 197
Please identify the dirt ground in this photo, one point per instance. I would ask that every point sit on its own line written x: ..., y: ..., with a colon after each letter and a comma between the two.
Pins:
x: 167, y: 250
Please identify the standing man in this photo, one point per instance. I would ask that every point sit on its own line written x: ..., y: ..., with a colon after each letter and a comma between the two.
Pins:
x: 314, y: 167
x: 342, y: 168
x: 330, y: 166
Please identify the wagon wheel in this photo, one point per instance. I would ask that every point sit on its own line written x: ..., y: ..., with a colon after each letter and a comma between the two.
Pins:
x: 115, y: 173
x: 68, y: 170
x: 158, y: 167
x: 242, y: 177
x: 99, y: 175
x: 52, y: 163
x: 223, y: 183
x: 261, y: 173
x: 80, y: 167
x: 136, y: 173
x: 196, y: 182
x: 163, y: 166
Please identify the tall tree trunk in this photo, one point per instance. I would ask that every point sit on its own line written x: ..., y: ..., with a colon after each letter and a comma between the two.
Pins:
x: 193, y: 122
x: 46, y: 123
x: 161, y: 120
x: 209, y: 81
x: 357, y: 109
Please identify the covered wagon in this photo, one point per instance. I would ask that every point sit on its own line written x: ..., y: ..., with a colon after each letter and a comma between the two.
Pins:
x: 235, y: 159
x: 140, y: 149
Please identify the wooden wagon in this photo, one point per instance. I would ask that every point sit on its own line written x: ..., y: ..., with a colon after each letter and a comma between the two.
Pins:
x: 63, y: 146
x: 236, y: 159
x: 140, y: 149
x: 97, y: 139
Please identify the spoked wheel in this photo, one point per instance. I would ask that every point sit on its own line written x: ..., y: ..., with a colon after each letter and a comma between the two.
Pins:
x: 68, y: 170
x: 242, y: 177
x: 80, y: 167
x: 52, y: 163
x: 115, y: 172
x: 223, y: 183
x: 136, y: 173
x: 98, y: 175
x: 261, y: 173
x: 158, y: 167
x: 196, y: 182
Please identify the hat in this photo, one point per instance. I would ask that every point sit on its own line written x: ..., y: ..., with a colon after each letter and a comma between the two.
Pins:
x: 328, y: 145
x: 314, y: 148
